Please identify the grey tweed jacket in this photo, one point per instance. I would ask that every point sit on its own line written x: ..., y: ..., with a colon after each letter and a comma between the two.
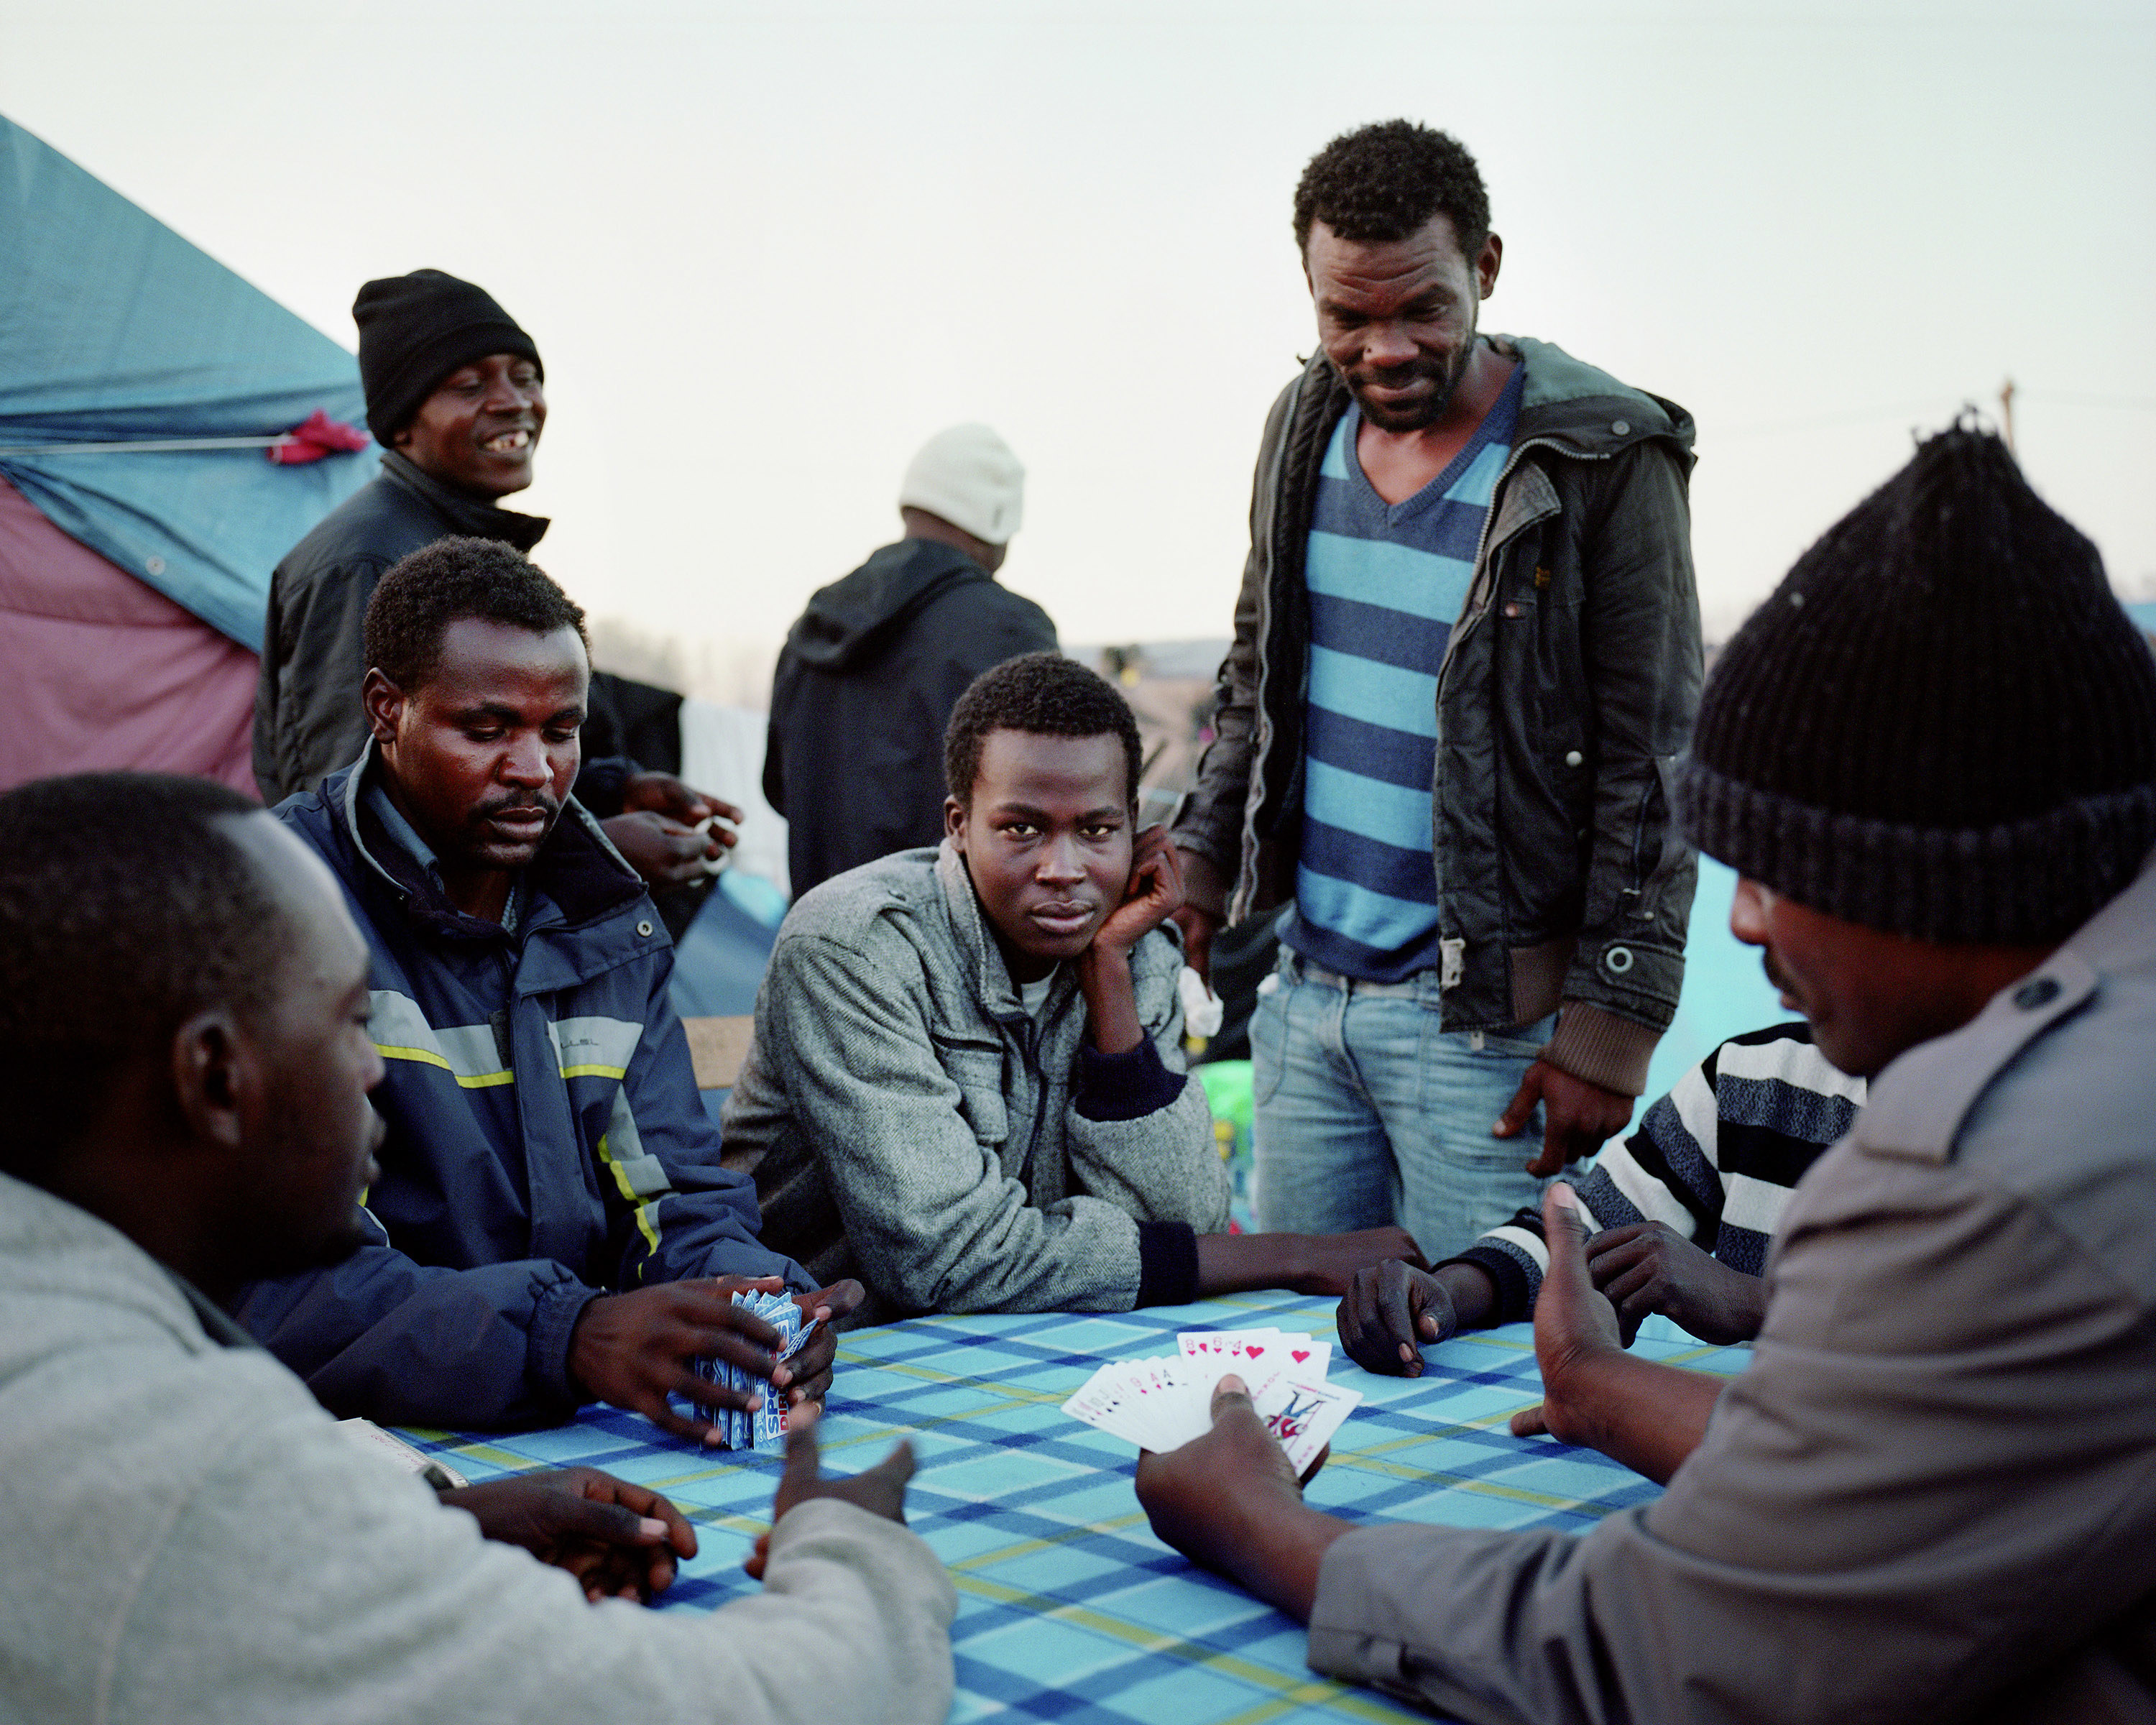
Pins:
x: 908, y: 1123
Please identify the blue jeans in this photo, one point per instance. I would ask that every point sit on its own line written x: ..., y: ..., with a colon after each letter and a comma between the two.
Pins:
x: 1367, y: 1112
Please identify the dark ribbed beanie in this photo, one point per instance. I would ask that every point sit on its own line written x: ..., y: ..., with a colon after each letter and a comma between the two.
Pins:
x: 415, y: 329
x: 1942, y: 724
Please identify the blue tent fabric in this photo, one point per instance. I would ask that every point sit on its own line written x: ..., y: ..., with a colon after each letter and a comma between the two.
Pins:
x: 113, y: 329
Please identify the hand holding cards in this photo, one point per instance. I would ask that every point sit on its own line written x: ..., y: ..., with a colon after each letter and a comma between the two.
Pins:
x: 1162, y: 1404
x: 737, y: 1429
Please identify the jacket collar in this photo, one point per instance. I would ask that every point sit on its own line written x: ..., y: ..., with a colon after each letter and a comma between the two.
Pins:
x: 466, y: 513
x: 1565, y: 403
x: 576, y: 868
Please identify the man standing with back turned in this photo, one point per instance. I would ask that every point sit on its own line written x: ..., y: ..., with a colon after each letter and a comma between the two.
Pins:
x: 1467, y: 652
x: 871, y: 670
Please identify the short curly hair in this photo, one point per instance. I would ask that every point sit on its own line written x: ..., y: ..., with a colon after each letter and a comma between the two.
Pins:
x: 1043, y: 693
x: 1385, y: 181
x: 421, y: 595
x: 124, y: 912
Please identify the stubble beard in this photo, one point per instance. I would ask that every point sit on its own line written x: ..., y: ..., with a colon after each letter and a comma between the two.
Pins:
x: 1445, y: 385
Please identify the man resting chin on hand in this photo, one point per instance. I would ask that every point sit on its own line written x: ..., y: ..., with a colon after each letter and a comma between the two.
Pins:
x: 966, y: 1086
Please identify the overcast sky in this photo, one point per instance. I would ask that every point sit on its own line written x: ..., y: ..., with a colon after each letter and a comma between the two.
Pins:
x: 767, y: 250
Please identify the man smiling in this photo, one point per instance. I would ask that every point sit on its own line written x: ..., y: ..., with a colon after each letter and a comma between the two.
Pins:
x: 1467, y: 652
x: 547, y: 1144
x: 967, y: 1085
x: 456, y: 395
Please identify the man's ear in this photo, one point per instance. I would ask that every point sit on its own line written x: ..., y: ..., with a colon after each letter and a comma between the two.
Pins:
x: 383, y: 702
x: 1487, y: 262
x: 954, y: 824
x: 215, y: 1074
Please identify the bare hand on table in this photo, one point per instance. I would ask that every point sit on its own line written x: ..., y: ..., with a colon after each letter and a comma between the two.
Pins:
x: 882, y: 1491
x: 619, y: 1540
x: 1578, y: 1116
x: 1230, y: 1501
x: 1393, y: 1311
x: 635, y: 1349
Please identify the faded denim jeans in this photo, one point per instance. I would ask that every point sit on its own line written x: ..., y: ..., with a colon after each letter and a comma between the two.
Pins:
x: 1368, y: 1113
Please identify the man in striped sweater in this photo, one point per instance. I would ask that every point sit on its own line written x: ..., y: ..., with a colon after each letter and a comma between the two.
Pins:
x: 1681, y: 1211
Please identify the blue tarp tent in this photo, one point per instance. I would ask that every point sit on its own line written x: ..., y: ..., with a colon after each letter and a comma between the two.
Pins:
x: 115, y: 331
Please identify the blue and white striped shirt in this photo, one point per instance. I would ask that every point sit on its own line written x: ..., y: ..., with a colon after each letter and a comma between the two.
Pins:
x: 1387, y: 582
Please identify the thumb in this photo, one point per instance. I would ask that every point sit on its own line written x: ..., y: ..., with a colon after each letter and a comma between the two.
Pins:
x: 897, y: 1467
x: 804, y: 1464
x: 1523, y: 1104
x: 1229, y: 1391
x: 1565, y: 1232
x: 609, y: 1523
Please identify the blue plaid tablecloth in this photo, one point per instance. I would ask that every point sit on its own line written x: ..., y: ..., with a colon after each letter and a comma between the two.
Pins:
x: 1068, y: 1609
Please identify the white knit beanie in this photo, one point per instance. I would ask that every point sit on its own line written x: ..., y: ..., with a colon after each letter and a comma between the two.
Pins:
x: 968, y: 476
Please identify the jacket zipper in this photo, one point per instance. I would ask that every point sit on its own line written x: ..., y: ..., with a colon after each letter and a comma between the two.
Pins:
x: 1452, y: 949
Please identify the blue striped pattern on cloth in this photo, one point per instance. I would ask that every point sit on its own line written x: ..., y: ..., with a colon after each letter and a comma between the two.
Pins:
x: 1716, y: 1160
x: 1070, y: 1611
x: 1386, y: 582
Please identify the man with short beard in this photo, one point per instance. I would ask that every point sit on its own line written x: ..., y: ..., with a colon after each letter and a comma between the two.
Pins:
x: 1467, y: 651
x: 552, y: 1223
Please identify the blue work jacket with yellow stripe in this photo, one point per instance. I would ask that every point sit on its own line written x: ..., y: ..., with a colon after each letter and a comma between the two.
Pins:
x: 546, y: 1141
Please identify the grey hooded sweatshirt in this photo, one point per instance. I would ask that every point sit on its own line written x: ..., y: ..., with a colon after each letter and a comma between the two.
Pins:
x: 187, y: 1536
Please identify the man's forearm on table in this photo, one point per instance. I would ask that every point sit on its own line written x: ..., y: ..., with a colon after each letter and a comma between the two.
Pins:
x: 1647, y: 1416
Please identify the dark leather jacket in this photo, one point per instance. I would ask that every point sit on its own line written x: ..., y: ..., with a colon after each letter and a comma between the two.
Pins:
x: 307, y: 717
x: 1567, y: 691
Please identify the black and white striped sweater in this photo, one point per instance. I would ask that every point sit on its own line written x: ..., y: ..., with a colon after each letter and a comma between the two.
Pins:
x: 1716, y: 1159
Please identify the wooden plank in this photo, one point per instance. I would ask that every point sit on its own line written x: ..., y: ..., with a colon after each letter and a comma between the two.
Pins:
x: 717, y: 1048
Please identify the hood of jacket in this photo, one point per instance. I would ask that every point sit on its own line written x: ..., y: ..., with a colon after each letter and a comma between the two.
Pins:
x: 1568, y: 401
x: 852, y: 617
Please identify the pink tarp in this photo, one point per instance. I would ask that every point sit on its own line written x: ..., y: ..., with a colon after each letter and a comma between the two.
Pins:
x: 99, y: 671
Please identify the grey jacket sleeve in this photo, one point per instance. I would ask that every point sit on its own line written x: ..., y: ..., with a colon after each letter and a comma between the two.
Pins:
x: 1933, y: 1480
x: 295, y: 1569
x: 1163, y: 1165
x: 908, y: 1135
x: 1640, y: 634
x: 308, y: 721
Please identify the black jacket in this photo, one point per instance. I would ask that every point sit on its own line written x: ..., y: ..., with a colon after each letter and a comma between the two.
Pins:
x: 307, y: 717
x: 865, y: 687
x: 1567, y: 690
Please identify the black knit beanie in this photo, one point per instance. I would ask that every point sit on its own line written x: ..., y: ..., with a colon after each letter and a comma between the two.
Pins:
x: 1942, y: 724
x: 415, y: 329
